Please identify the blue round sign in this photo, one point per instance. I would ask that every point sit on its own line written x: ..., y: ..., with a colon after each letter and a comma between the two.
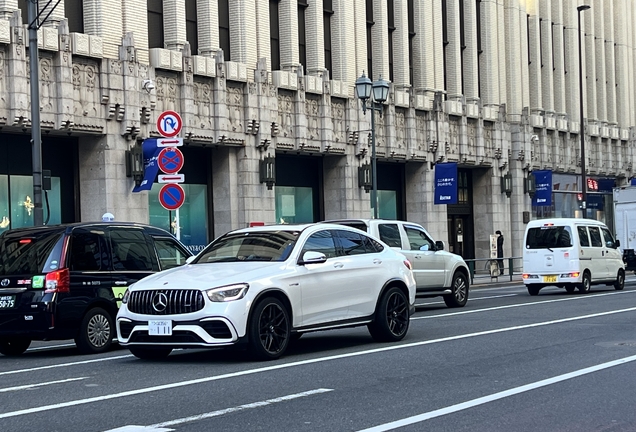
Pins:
x: 171, y: 196
x: 170, y: 160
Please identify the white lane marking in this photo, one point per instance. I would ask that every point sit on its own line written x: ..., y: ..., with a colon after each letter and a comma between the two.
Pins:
x: 294, y: 364
x: 241, y: 408
x: 64, y: 365
x: 28, y: 386
x: 40, y: 348
x: 133, y: 428
x: 472, y: 299
x: 496, y: 396
x: 583, y: 297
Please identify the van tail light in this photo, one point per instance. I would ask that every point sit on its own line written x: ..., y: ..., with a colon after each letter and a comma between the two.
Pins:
x: 58, y: 281
x: 408, y: 265
x: 525, y: 276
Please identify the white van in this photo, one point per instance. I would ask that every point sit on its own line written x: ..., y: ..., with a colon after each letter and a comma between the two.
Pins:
x: 571, y: 253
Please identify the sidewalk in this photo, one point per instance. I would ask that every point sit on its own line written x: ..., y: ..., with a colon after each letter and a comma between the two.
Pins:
x: 486, y: 280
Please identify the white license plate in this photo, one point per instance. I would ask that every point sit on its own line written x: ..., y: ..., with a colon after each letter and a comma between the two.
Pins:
x: 160, y: 328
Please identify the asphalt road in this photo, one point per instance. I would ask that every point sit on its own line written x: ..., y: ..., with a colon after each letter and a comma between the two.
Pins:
x: 505, y: 362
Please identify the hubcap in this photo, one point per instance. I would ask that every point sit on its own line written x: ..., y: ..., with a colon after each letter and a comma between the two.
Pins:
x: 460, y: 289
x: 98, y: 331
x: 273, y: 328
x: 397, y: 314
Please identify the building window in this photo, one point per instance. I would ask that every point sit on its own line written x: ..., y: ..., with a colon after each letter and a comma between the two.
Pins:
x: 445, y: 39
x: 391, y: 20
x: 541, y: 41
x: 553, y: 37
x: 370, y: 23
x: 274, y: 34
x: 302, y: 34
x: 411, y: 13
x: 462, y: 40
x: 327, y: 7
x: 224, y: 29
x: 479, y: 49
x: 528, y: 38
x: 74, y: 10
x: 155, y: 24
x: 191, y: 26
x: 565, y: 63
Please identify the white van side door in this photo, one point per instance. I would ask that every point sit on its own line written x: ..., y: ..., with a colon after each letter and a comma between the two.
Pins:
x: 598, y: 265
x: 613, y: 257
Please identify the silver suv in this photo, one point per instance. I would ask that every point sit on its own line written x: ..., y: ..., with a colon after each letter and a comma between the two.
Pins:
x: 437, y: 272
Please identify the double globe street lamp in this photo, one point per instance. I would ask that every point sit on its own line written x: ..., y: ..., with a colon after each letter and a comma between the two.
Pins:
x: 380, y: 91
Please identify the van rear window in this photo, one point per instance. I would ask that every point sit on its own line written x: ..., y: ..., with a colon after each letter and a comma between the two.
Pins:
x: 30, y: 254
x: 549, y: 237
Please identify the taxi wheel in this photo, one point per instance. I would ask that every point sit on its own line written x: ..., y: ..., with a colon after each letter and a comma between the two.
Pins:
x: 150, y: 353
x: 586, y: 283
x: 14, y: 347
x: 620, y: 280
x: 269, y: 329
x: 96, y: 332
x: 459, y: 288
x: 391, y: 320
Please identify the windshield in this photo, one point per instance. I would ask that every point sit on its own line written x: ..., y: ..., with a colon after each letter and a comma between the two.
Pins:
x: 30, y: 253
x: 548, y: 237
x: 250, y: 246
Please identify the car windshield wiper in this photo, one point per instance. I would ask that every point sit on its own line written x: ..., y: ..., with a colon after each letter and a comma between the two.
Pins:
x: 222, y: 259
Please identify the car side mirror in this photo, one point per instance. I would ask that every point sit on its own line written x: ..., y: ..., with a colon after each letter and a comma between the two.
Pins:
x: 617, y: 243
x: 311, y: 257
x: 190, y: 259
x: 439, y: 245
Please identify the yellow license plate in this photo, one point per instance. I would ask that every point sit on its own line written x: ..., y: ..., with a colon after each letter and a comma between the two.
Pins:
x: 551, y: 278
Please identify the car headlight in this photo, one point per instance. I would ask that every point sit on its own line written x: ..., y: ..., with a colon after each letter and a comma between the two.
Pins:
x: 228, y: 293
x: 124, y: 299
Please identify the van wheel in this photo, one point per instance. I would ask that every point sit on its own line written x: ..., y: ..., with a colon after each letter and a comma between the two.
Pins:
x: 150, y: 353
x: 14, y: 347
x: 533, y: 290
x: 459, y: 288
x: 586, y: 283
x: 620, y: 280
x: 95, y: 333
x: 570, y: 288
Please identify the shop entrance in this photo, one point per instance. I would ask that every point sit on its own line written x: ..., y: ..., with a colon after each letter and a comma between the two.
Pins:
x: 298, y: 189
x: 461, y: 232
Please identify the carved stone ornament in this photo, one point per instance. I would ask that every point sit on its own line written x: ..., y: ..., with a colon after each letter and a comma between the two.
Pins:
x: 311, y: 112
x: 400, y: 128
x: 285, y: 115
x: 234, y: 99
x: 338, y: 120
x: 202, y: 105
x: 86, y: 89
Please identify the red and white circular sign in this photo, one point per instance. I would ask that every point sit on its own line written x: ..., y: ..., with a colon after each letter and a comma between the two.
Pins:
x: 169, y: 124
x: 170, y: 160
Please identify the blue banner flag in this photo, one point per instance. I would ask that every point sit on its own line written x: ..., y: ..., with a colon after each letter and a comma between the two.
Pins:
x: 594, y: 201
x: 633, y: 182
x: 446, y: 183
x: 150, y: 153
x: 543, y: 188
x: 606, y: 184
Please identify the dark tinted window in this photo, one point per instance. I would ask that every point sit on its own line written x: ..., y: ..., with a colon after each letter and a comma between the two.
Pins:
x: 595, y: 237
x: 418, y: 240
x: 169, y: 253
x: 155, y: 24
x: 390, y: 234
x: 548, y: 237
x: 88, y: 251
x: 74, y: 11
x: 130, y: 250
x: 353, y: 243
x: 583, y: 238
x: 31, y: 253
x: 377, y: 246
x: 192, y: 34
x: 609, y: 238
x: 322, y: 242
x: 250, y: 246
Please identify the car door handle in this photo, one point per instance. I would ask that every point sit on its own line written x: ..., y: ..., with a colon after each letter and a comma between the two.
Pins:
x: 377, y: 261
x: 418, y: 256
x: 121, y: 283
x: 338, y: 265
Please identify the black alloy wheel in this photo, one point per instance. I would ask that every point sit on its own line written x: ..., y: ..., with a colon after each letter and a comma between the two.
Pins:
x: 459, y: 288
x: 269, y: 329
x: 14, y: 347
x: 392, y: 317
x: 620, y: 280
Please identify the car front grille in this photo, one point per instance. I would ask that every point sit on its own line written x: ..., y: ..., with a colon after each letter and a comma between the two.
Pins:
x: 176, y: 302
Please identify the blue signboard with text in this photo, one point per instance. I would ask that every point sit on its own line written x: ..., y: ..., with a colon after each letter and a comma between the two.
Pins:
x: 446, y: 183
x: 543, y: 188
x: 150, y: 153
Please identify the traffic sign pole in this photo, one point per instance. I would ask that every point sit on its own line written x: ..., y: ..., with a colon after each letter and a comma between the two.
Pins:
x: 177, y: 230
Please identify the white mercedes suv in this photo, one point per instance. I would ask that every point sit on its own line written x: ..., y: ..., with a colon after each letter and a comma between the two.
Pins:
x: 265, y: 286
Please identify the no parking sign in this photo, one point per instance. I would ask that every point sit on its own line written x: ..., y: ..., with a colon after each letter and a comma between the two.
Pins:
x: 171, y: 196
x: 170, y: 160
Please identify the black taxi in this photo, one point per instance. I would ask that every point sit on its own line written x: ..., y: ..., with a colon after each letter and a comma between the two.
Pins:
x: 67, y: 281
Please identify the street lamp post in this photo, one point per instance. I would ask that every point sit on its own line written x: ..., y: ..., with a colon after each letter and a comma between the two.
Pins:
x: 581, y: 127
x: 380, y: 91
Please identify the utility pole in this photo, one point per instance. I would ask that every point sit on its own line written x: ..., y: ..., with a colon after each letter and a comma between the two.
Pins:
x: 36, y: 135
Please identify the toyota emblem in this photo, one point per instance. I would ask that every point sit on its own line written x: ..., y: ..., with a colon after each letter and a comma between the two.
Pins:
x: 160, y: 302
x: 5, y: 282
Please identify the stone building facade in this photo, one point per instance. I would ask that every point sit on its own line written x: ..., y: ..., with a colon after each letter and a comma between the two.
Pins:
x: 490, y: 84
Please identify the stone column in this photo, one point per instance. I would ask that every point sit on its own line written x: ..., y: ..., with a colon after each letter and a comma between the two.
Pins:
x: 208, y: 27
x: 263, y: 46
x: 598, y: 11
x: 622, y: 58
x: 424, y: 46
x: 379, y: 40
x: 470, y: 66
x: 56, y: 16
x: 438, y: 43
x: 315, y: 36
x: 225, y: 190
x: 7, y: 7
x: 610, y: 62
x: 545, y: 60
x: 105, y: 19
x: 589, y: 63
x: 558, y: 44
x: 136, y: 23
x: 453, y: 51
x: 571, y: 84
x: 174, y: 24
x: 243, y: 32
x: 502, y: 41
x: 525, y: 71
x: 360, y: 14
x: 288, y: 25
x: 489, y: 62
x: 514, y: 49
x: 401, y: 75
x: 342, y: 40
x: 536, y: 100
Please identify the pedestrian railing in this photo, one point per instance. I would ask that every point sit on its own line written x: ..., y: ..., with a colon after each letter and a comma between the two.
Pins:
x: 489, y: 267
